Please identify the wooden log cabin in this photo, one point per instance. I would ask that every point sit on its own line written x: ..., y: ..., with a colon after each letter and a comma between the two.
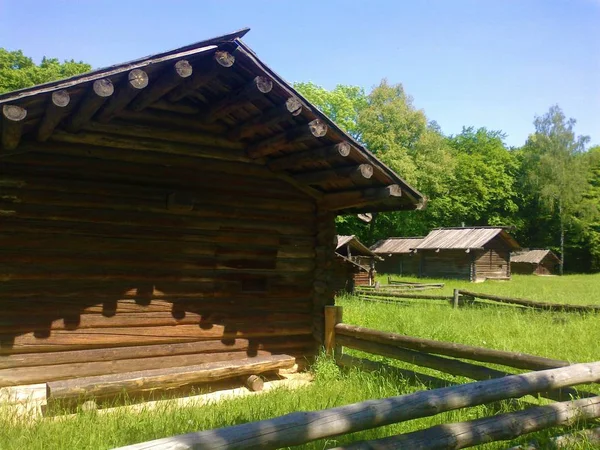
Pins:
x: 355, y: 264
x: 534, y: 262
x: 172, y: 211
x: 397, y: 256
x: 475, y: 253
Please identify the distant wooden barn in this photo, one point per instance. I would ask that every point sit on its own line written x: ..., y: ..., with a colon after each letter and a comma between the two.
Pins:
x: 170, y: 211
x: 355, y: 264
x: 475, y: 254
x: 535, y: 261
x: 397, y: 256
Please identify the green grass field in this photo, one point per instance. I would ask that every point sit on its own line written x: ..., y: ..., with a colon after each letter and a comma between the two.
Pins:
x: 568, y: 336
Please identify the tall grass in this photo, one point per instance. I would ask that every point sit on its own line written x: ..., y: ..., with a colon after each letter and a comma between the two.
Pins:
x: 569, y: 336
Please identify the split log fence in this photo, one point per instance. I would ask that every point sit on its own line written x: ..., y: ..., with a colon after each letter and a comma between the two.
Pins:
x: 389, y: 294
x: 555, y: 381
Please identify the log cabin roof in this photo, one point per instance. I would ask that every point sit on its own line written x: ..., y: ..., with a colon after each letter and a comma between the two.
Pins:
x: 464, y: 238
x: 533, y: 256
x: 360, y: 248
x: 213, y: 99
x: 396, y: 245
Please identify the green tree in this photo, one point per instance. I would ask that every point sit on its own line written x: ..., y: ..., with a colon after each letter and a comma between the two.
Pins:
x: 18, y: 71
x: 554, y: 169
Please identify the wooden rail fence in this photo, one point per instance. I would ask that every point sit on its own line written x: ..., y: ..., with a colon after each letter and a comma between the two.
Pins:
x: 555, y: 381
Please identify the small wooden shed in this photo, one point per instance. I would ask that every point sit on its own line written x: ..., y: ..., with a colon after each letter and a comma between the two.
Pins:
x: 473, y: 253
x: 534, y: 262
x: 397, y: 256
x: 169, y: 211
x: 356, y: 264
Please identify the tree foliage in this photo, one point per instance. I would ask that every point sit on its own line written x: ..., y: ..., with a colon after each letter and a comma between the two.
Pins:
x: 18, y: 71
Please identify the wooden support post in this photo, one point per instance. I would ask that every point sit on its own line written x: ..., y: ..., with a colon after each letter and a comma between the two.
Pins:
x: 90, y: 104
x: 56, y: 111
x: 136, y: 80
x: 12, y: 125
x: 222, y: 60
x: 455, y: 298
x: 356, y: 174
x: 314, y: 129
x: 356, y: 198
x: 166, y: 82
x: 489, y: 429
x: 302, y: 427
x: 254, y: 383
x: 340, y: 151
x: 253, y: 89
x: 333, y: 316
x: 272, y: 116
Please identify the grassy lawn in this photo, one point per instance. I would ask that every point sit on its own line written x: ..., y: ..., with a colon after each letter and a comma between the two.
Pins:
x: 568, y: 336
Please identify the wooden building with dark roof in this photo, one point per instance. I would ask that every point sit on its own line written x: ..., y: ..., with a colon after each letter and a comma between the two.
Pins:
x: 471, y: 253
x: 355, y: 264
x: 169, y: 211
x: 397, y: 256
x: 535, y: 262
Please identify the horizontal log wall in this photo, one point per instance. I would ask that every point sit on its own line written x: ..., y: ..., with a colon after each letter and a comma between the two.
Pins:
x: 120, y: 258
x: 446, y: 264
x: 493, y: 261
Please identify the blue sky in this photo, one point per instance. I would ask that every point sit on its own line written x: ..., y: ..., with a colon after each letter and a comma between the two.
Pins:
x: 466, y: 62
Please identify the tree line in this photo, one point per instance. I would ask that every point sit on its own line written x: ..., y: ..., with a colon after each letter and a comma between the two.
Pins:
x: 548, y: 190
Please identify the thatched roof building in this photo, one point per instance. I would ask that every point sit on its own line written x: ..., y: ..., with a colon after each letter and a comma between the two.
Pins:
x: 173, y: 210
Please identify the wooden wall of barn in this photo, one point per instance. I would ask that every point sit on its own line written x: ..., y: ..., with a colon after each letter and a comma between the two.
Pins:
x: 107, y: 267
x: 493, y: 261
x: 399, y: 264
x: 446, y: 264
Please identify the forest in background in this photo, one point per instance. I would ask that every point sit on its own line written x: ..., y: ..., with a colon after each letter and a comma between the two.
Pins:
x: 548, y: 189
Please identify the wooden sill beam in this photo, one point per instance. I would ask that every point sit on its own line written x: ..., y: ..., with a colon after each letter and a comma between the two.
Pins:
x: 12, y: 125
x: 341, y: 150
x: 357, y: 198
x: 314, y: 129
x: 56, y: 111
x: 357, y: 174
x: 251, y: 90
x: 136, y: 80
x: 222, y: 60
x: 272, y: 116
x: 90, y: 104
x: 167, y: 81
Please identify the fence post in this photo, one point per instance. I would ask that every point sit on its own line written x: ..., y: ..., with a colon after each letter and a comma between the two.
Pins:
x: 333, y: 316
x: 455, y: 299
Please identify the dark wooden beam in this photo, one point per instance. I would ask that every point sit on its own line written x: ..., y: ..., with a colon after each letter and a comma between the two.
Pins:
x: 353, y: 199
x: 90, y: 104
x: 221, y: 60
x: 341, y: 150
x: 253, y: 89
x: 314, y: 129
x: 356, y: 174
x: 56, y: 111
x: 136, y: 80
x: 12, y: 125
x: 166, y: 82
x: 272, y: 116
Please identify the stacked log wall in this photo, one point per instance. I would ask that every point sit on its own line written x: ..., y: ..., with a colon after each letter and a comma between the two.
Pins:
x: 493, y: 261
x: 114, y: 261
x: 446, y: 264
x: 399, y: 264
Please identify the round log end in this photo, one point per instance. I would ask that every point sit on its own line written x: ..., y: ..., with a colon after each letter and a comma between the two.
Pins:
x: 61, y: 98
x: 318, y: 128
x: 183, y: 68
x: 138, y: 79
x: 14, y: 113
x: 293, y: 105
x: 103, y: 87
x: 343, y: 148
x: 263, y: 84
x: 254, y: 383
x: 394, y: 190
x: 366, y: 170
x: 224, y: 59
